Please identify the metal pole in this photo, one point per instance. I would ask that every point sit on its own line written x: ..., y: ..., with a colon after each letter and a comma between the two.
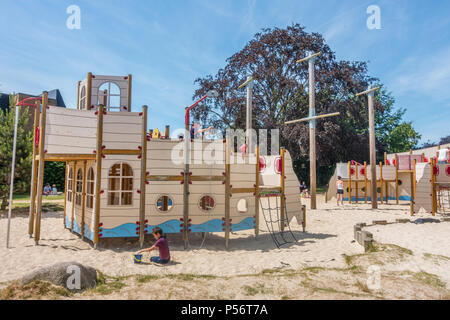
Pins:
x: 249, y: 115
x: 187, y: 153
x: 312, y: 134
x: 11, y: 186
x: 373, y: 158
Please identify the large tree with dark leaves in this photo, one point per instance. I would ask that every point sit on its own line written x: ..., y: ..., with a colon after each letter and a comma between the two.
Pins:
x: 281, y: 93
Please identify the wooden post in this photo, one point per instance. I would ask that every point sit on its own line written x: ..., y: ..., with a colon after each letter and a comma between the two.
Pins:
x: 396, y: 180
x: 381, y: 182
x: 385, y: 158
x: 282, y: 185
x: 98, y: 174
x: 227, y: 191
x: 167, y: 132
x: 143, y: 177
x: 187, y: 156
x: 34, y: 171
x: 349, y: 182
x: 365, y: 182
x: 40, y: 182
x: 413, y: 177
x: 89, y: 91
x: 356, y: 183
x: 83, y: 200
x: 433, y: 188
x: 373, y: 158
x: 257, y: 193
x: 129, y: 89
x: 78, y: 95
x: 65, y: 193
x: 74, y: 188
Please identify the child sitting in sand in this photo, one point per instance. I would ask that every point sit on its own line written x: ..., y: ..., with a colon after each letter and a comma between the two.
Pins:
x: 161, y: 244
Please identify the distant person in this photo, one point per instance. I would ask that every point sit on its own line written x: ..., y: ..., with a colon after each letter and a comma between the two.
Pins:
x: 444, y: 155
x: 47, y: 189
x: 304, y: 190
x: 161, y: 244
x: 340, y: 190
x: 54, y: 190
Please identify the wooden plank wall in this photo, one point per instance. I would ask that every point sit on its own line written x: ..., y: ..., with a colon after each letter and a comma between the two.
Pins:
x: 122, y: 130
x: 423, y: 200
x: 70, y: 131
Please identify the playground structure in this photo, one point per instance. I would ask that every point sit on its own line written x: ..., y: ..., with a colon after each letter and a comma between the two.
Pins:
x: 122, y: 180
x: 413, y: 176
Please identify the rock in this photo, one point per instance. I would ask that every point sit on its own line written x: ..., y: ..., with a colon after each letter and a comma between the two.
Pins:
x: 70, y: 275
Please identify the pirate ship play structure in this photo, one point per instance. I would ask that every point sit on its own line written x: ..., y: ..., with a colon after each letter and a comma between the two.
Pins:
x: 414, y: 176
x: 121, y: 181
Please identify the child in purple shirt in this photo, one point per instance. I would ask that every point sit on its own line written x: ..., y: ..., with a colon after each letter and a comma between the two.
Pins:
x: 161, y: 244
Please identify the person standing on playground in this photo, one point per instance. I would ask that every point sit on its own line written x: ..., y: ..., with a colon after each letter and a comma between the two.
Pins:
x: 444, y: 155
x: 161, y: 244
x: 340, y: 190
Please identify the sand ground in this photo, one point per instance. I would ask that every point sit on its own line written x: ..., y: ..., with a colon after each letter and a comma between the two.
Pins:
x: 325, y: 247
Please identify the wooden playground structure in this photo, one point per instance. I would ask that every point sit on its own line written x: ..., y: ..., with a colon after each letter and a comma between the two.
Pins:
x: 415, y: 177
x: 123, y: 179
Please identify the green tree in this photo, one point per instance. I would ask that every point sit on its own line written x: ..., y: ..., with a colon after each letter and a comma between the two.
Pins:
x: 54, y: 173
x: 281, y: 93
x: 393, y: 135
x: 24, y: 152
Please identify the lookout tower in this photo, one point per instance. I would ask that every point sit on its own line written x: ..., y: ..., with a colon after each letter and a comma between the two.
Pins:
x: 114, y: 92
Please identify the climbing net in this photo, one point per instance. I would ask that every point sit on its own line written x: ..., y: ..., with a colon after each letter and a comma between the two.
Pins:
x: 444, y: 199
x: 271, y: 209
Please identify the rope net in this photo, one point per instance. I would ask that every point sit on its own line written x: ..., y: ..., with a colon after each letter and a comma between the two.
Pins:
x: 271, y: 209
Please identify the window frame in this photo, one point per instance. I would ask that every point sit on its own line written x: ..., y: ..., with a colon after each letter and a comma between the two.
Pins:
x: 120, y: 190
x: 101, y: 95
x: 90, y: 184
x: 70, y: 185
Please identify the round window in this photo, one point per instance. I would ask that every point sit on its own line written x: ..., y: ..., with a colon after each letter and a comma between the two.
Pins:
x: 207, y: 203
x: 164, y: 203
x: 242, y: 206
x: 379, y: 190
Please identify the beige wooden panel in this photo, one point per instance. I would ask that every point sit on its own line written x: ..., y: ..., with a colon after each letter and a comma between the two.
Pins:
x: 164, y: 164
x: 388, y: 173
x: 131, y: 118
x: 122, y: 127
x: 71, y: 131
x: 135, y: 139
x: 236, y: 208
x: 71, y: 141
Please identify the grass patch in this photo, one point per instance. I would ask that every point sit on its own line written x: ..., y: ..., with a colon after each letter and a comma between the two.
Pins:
x: 258, y: 289
x: 107, y: 284
x: 146, y: 278
x: 430, y: 279
x: 189, y: 277
x: 24, y: 208
x: 33, y: 291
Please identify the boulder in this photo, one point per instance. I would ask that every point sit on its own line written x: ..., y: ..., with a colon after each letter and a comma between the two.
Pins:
x: 70, y: 275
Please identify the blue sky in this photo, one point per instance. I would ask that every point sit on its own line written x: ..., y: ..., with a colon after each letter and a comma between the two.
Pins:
x: 167, y: 44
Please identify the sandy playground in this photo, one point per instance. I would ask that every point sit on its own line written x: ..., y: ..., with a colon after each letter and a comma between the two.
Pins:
x: 327, y: 245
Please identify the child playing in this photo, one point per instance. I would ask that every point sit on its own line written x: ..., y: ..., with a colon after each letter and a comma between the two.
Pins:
x: 161, y: 244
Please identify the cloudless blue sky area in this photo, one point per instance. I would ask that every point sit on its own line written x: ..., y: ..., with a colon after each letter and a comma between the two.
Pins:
x: 166, y: 45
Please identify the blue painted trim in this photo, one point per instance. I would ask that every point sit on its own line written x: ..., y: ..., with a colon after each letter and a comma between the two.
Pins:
x: 127, y: 230
x: 209, y: 226
x: 88, y: 233
x: 246, y: 224
x: 76, y: 227
x: 171, y: 226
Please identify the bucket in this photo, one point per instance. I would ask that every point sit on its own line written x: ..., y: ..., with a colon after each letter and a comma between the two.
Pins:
x: 137, y: 258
